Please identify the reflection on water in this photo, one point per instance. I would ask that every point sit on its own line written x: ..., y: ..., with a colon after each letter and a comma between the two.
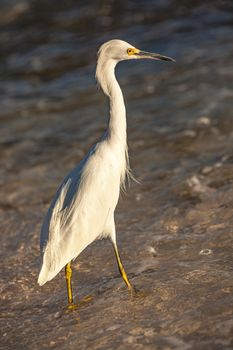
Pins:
x: 180, y: 132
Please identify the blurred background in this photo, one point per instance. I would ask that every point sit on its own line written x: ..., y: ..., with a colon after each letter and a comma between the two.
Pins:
x: 51, y: 110
x: 176, y: 225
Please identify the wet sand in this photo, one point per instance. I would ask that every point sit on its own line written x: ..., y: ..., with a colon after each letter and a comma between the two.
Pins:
x: 174, y: 226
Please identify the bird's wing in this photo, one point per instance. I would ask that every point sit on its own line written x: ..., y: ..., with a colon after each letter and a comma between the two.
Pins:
x: 61, y: 206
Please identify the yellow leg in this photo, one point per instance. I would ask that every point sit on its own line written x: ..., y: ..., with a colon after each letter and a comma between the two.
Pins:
x: 71, y: 305
x: 121, y: 267
x: 68, y: 272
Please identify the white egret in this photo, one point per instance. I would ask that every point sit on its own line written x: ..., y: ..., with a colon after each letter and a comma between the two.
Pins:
x: 83, y: 207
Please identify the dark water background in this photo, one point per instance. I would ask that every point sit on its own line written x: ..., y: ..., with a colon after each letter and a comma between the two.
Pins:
x: 175, y: 227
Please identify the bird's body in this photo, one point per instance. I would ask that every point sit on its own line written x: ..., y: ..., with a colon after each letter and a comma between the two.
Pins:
x: 83, y: 207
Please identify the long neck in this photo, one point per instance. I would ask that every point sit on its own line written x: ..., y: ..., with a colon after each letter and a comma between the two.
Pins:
x: 105, y: 74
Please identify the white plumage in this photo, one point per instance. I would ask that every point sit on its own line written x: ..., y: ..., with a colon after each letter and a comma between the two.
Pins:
x: 83, y: 207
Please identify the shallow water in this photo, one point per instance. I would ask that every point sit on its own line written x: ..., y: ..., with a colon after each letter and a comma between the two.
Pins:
x: 175, y: 227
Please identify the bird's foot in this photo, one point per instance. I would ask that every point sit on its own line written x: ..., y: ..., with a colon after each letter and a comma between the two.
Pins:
x: 72, y: 306
x: 136, y: 293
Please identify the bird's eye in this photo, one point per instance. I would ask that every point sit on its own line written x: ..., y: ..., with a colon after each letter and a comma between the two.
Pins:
x: 130, y: 51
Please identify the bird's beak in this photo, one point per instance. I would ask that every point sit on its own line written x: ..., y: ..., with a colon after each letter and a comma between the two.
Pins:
x: 153, y: 56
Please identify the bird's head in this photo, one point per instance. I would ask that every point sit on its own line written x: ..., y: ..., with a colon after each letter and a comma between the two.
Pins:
x: 114, y: 51
x: 119, y: 50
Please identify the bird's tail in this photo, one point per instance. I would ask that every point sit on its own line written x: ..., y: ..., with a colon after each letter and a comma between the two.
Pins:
x: 47, y: 274
x: 54, y: 259
x: 51, y: 265
x: 43, y: 276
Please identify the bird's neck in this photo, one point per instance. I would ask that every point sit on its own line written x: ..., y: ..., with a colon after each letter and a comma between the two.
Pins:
x: 105, y: 74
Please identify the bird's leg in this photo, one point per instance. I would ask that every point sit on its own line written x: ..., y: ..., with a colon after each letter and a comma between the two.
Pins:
x: 68, y: 272
x: 121, y: 268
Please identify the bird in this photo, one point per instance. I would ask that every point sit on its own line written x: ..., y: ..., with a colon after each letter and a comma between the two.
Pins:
x: 83, y: 207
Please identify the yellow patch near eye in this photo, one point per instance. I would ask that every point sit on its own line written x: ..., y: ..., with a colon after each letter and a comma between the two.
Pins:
x: 132, y: 51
